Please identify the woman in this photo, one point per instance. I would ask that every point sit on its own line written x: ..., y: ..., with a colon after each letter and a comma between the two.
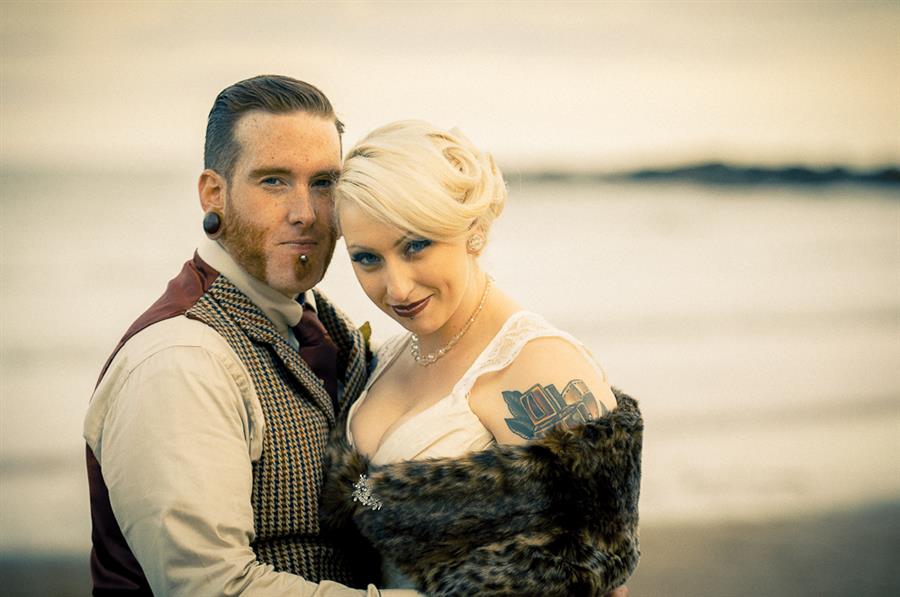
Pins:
x: 482, y: 458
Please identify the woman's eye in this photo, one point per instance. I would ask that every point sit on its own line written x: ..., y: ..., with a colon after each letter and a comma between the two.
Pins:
x: 364, y: 258
x: 417, y: 246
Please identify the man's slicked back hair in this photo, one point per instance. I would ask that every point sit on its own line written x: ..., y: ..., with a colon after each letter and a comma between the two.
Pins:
x: 276, y: 94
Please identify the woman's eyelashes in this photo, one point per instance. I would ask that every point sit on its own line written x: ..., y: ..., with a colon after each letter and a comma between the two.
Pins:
x: 365, y: 258
x: 416, y: 245
x: 409, y: 249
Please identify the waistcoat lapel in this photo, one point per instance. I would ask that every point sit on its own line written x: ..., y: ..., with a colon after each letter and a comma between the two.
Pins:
x: 260, y: 329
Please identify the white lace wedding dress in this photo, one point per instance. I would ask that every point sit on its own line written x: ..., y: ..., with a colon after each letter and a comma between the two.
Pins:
x: 449, y: 428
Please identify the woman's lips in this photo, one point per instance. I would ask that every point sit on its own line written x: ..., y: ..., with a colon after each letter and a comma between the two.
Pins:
x: 411, y: 309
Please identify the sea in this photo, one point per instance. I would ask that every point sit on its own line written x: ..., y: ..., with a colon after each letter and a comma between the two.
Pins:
x: 758, y: 325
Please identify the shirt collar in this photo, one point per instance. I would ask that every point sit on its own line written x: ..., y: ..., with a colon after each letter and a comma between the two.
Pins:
x: 284, y: 312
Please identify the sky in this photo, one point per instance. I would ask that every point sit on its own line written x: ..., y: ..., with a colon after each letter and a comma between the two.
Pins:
x: 600, y: 85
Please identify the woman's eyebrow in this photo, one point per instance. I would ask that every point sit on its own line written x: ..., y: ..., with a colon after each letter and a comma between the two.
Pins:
x: 398, y: 242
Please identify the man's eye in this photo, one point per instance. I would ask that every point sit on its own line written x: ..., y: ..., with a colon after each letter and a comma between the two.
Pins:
x: 417, y: 246
x: 272, y: 181
x: 364, y: 258
x: 323, y: 183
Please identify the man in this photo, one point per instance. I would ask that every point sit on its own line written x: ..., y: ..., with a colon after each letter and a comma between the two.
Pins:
x: 206, y: 432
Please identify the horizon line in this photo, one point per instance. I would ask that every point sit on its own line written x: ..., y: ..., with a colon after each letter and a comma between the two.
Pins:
x: 712, y: 171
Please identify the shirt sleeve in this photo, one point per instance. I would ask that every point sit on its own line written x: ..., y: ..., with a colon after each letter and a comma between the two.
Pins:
x: 175, y: 460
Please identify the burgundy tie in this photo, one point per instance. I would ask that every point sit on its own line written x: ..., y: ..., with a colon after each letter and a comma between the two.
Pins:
x: 317, y: 349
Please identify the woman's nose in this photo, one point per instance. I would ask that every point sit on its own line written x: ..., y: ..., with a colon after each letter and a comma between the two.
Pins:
x: 398, y: 284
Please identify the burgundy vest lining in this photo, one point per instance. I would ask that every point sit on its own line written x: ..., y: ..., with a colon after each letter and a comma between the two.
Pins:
x: 114, y: 568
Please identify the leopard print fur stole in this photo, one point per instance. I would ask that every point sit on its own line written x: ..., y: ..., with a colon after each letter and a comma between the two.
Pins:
x: 556, y: 516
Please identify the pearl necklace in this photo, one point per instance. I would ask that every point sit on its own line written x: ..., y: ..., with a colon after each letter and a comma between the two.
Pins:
x: 431, y: 357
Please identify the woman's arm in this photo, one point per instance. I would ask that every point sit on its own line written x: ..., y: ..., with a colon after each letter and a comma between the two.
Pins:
x: 550, y: 383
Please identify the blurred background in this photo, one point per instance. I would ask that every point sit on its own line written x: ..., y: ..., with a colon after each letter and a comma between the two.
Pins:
x: 706, y: 193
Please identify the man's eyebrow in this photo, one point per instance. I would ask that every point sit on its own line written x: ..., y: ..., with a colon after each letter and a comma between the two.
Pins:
x: 270, y: 172
x: 331, y: 174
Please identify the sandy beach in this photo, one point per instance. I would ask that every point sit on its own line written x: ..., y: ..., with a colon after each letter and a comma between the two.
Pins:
x: 846, y: 553
x: 849, y: 553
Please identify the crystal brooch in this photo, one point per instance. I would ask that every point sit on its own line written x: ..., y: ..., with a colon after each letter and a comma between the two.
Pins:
x: 362, y: 493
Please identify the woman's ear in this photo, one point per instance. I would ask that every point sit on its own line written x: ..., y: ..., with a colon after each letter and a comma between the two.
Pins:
x: 475, y: 241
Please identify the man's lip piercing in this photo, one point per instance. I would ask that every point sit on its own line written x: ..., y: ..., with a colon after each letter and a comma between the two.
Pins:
x: 304, y: 258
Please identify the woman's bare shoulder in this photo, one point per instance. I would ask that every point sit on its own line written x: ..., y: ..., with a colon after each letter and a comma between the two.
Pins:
x: 551, y: 382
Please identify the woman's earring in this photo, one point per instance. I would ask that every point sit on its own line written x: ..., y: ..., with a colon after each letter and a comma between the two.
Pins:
x: 212, y: 224
x: 475, y: 243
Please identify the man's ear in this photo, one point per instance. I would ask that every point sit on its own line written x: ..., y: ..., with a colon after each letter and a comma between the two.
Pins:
x: 212, y: 188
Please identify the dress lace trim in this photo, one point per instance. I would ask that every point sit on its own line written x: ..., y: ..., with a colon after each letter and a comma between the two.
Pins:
x: 501, y: 351
x: 520, y: 328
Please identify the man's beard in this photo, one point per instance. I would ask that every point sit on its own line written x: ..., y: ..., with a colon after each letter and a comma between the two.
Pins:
x: 246, y: 243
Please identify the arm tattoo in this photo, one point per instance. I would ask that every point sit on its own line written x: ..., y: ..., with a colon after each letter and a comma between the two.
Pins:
x: 541, y: 408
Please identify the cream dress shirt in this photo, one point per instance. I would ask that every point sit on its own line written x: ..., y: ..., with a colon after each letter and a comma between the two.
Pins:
x: 176, y: 425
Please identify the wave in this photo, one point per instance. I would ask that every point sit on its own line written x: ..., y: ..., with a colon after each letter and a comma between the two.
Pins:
x: 708, y: 173
x: 720, y: 173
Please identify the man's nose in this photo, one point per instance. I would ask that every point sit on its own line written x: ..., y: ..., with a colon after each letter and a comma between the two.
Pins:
x: 301, y: 210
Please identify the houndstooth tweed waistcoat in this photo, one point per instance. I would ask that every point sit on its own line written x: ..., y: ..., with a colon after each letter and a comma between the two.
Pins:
x: 299, y: 415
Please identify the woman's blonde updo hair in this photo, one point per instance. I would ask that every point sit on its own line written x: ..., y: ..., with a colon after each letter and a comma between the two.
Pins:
x: 423, y: 180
